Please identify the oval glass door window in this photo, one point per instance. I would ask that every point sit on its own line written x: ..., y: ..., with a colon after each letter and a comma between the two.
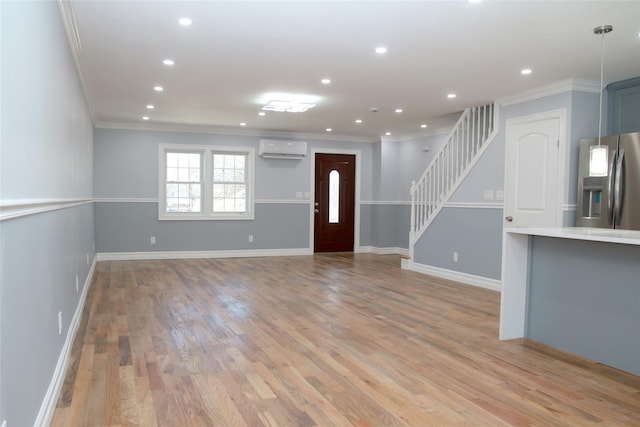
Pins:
x: 334, y: 197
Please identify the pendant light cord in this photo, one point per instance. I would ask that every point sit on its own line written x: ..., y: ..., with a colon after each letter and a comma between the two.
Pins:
x: 601, y: 87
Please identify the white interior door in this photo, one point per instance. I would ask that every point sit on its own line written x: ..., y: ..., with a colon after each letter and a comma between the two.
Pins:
x: 532, y: 171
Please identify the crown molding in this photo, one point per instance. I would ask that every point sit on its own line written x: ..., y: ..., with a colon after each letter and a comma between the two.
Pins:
x: 568, y: 85
x: 226, y: 130
x: 68, y: 16
x: 422, y: 134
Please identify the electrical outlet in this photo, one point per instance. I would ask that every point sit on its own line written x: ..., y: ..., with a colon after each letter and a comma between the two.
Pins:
x: 59, y: 323
x: 455, y: 257
x: 250, y: 238
x: 298, y: 194
x: 152, y: 240
x: 488, y: 194
x: 77, y: 284
x: 307, y: 194
x: 499, y: 195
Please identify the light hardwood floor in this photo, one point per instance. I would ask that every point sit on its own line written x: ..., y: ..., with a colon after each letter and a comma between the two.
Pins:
x: 324, y: 340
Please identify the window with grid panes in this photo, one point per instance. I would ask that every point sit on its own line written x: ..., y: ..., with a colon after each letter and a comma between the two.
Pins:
x: 206, y: 182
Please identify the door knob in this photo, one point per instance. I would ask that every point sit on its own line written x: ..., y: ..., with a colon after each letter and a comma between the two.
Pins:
x: 509, y: 218
x: 316, y: 210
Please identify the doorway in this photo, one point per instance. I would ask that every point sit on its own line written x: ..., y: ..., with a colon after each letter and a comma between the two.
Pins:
x: 335, y: 202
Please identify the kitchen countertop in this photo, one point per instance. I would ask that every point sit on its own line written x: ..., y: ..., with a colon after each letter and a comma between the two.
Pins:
x: 628, y: 237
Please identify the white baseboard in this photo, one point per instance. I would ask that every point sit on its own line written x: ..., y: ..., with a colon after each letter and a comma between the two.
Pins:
x: 45, y: 414
x: 383, y: 251
x: 251, y: 253
x: 467, y: 279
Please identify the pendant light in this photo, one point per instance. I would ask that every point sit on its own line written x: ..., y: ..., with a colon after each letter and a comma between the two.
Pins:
x: 598, y: 154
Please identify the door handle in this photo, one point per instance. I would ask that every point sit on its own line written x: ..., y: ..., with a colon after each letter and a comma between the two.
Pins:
x: 617, y: 198
x: 316, y: 210
x: 509, y: 218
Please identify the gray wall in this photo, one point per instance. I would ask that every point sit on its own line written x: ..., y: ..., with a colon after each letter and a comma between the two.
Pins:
x: 126, y: 169
x: 475, y: 231
x: 584, y: 298
x: 46, y: 153
x: 624, y: 106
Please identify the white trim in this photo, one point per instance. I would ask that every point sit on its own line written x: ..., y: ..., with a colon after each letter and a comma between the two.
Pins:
x: 551, y: 89
x: 250, y: 253
x: 68, y: 15
x: 48, y: 406
x: 283, y: 201
x: 356, y: 213
x: 11, y: 209
x: 467, y: 279
x: 126, y: 200
x: 420, y: 134
x: 383, y: 251
x: 386, y: 202
x: 473, y: 205
x: 569, y: 207
x: 225, y: 130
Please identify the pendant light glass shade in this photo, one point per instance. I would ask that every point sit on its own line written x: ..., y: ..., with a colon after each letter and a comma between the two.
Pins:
x: 599, y: 160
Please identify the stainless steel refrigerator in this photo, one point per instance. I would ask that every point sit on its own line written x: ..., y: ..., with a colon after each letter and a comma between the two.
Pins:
x: 609, y: 196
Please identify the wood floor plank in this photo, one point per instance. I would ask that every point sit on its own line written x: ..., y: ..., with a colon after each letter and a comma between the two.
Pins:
x: 326, y: 340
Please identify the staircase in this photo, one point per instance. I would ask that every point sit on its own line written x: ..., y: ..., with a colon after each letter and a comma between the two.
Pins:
x: 465, y: 144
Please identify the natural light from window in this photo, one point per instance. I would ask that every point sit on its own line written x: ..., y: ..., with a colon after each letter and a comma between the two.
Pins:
x: 334, y: 197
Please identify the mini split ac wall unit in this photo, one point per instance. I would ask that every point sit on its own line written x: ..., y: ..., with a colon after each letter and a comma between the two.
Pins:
x: 273, y: 149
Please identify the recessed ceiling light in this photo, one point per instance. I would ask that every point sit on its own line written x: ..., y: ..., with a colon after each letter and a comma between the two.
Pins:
x: 168, y: 62
x: 243, y: 124
x: 185, y: 21
x: 381, y: 49
x: 525, y: 71
x: 150, y: 107
x: 423, y: 126
x: 262, y: 113
x: 145, y: 117
x: 398, y: 110
x: 158, y: 88
x: 474, y: 1
x: 388, y: 133
x: 451, y: 95
x: 325, y: 81
x: 329, y: 129
x: 358, y: 121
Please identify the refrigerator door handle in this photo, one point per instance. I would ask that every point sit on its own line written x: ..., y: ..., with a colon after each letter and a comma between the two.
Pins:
x: 610, y: 199
x: 618, y: 186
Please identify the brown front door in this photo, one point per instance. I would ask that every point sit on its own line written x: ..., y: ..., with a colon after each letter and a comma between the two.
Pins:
x: 334, y: 203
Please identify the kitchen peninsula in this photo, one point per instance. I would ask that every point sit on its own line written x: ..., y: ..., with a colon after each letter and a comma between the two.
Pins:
x: 576, y: 289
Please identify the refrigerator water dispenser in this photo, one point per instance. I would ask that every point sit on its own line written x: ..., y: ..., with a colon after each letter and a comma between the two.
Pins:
x: 592, y: 187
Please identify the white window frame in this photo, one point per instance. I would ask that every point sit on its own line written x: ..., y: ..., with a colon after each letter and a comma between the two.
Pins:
x: 206, y: 203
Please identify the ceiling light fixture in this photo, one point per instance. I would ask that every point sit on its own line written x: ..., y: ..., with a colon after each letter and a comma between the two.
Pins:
x: 288, y: 103
x: 381, y: 50
x: 185, y: 21
x: 329, y: 129
x: 145, y: 117
x: 150, y: 107
x: 388, y: 133
x: 262, y: 113
x: 325, y: 81
x: 423, y: 126
x: 358, y: 121
x: 168, y: 62
x: 598, y: 156
x: 398, y: 110
x: 451, y: 95
x: 526, y: 71
x: 158, y: 88
x: 243, y: 124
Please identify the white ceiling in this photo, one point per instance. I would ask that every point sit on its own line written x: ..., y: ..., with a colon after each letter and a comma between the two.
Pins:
x: 236, y: 51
